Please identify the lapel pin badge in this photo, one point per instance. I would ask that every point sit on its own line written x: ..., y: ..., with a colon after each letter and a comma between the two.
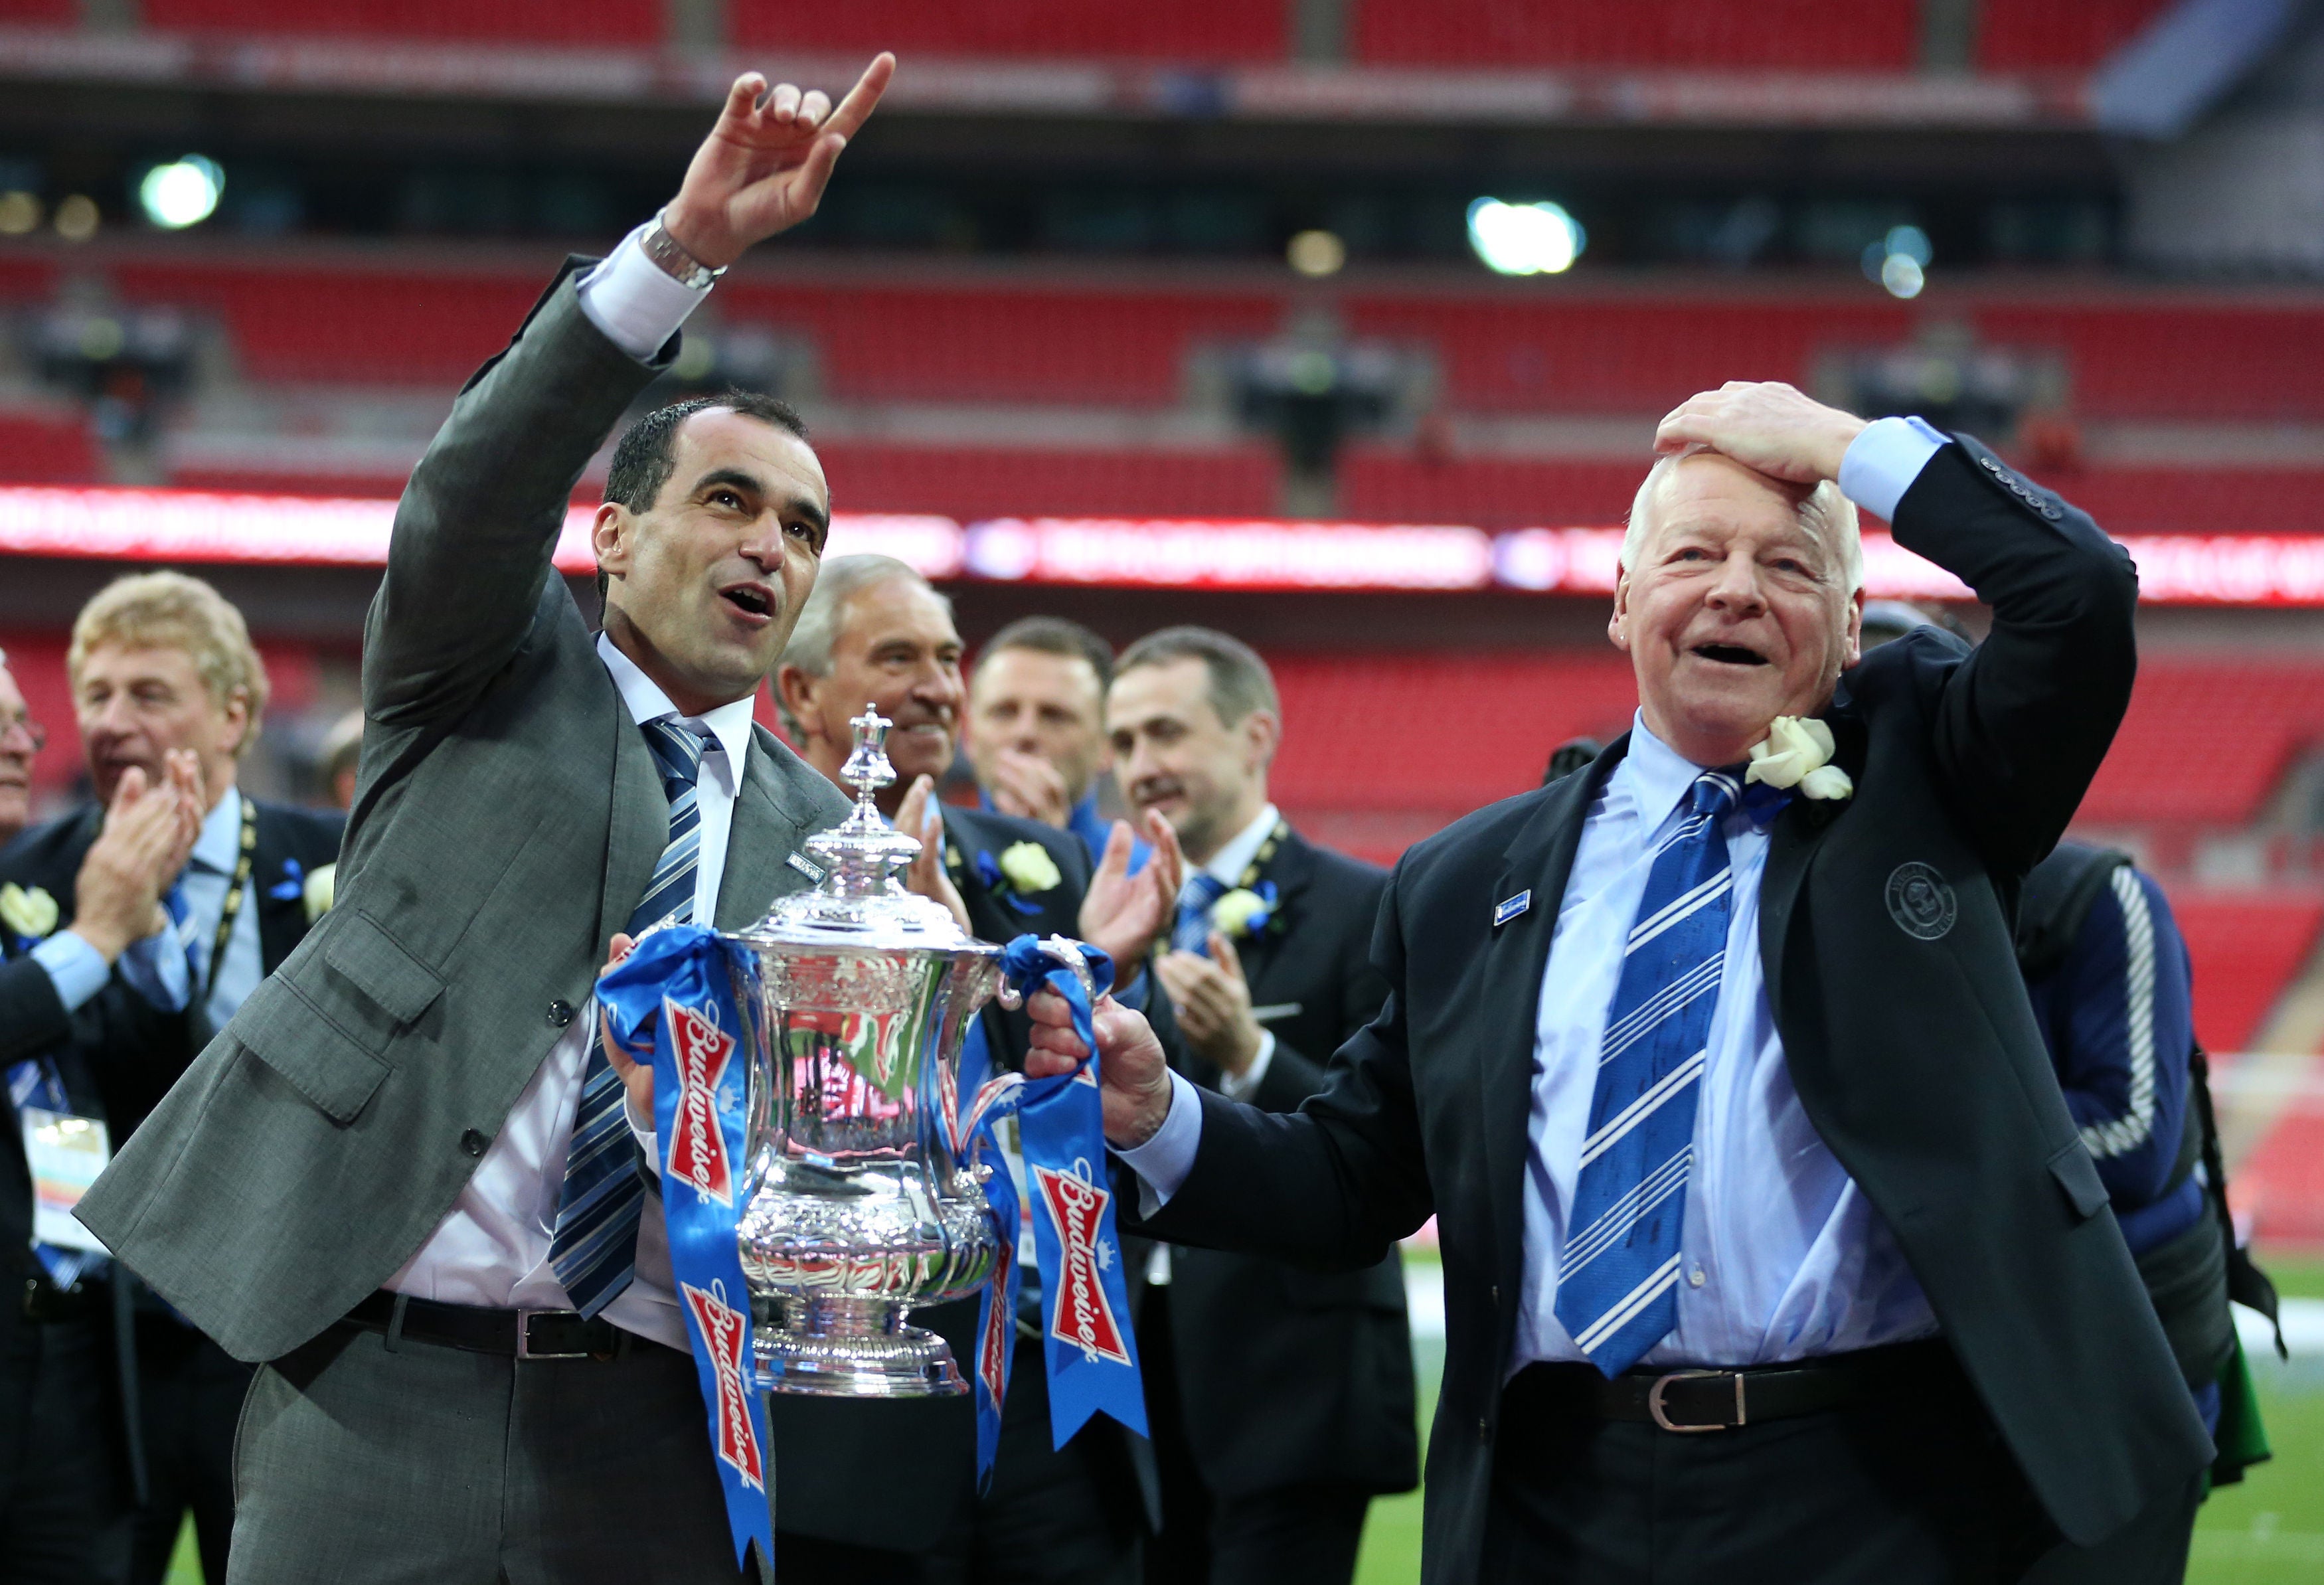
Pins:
x: 1504, y: 911
x: 806, y: 867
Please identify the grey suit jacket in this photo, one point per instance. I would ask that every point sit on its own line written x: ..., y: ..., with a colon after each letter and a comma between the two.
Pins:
x: 507, y: 819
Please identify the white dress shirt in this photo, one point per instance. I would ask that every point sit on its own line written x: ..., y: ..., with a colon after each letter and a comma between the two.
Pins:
x: 1784, y: 1258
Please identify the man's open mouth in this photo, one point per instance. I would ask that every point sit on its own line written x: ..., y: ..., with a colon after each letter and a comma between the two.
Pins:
x: 1731, y: 655
x: 750, y: 599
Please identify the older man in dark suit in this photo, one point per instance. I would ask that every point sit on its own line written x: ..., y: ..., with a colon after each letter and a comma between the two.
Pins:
x: 1771, y: 1248
x: 886, y: 1491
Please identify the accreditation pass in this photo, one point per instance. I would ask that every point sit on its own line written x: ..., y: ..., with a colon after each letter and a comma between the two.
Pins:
x: 64, y: 1153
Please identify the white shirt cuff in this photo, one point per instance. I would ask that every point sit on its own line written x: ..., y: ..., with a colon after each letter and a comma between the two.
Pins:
x: 1882, y: 461
x: 157, y: 970
x: 635, y: 301
x: 77, y: 970
x: 1244, y: 1085
x: 1163, y: 1162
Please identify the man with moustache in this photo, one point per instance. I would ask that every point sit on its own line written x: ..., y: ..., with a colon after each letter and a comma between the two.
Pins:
x: 69, y: 1477
x: 1036, y: 726
x: 1771, y: 1246
x: 1294, y: 1388
x: 887, y: 1490
x: 403, y: 1176
x: 162, y: 663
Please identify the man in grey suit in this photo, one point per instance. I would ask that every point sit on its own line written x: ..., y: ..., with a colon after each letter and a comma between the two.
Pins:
x: 404, y: 1174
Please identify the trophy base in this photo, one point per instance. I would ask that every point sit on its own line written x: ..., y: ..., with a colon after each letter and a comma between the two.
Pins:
x: 853, y: 1349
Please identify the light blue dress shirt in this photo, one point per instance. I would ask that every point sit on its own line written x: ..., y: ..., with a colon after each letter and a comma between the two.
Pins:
x: 1782, y: 1256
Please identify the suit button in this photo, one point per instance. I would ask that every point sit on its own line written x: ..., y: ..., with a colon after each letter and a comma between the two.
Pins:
x: 1991, y: 466
x: 2051, y: 511
x: 1484, y: 1429
x: 473, y: 1142
x: 560, y: 1013
x: 1496, y: 1291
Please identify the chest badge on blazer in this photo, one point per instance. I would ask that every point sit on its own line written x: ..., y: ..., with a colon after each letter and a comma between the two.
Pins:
x: 1921, y: 900
x: 1503, y: 912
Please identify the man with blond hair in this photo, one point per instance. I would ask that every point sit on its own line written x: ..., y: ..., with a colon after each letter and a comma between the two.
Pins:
x: 163, y: 669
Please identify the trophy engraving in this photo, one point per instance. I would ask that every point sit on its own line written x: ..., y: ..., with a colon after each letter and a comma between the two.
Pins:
x: 856, y: 1211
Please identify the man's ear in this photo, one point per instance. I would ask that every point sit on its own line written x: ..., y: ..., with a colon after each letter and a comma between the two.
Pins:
x: 613, y: 535
x: 237, y: 718
x: 1263, y: 730
x: 1618, y: 625
x: 796, y: 691
x: 1855, y: 651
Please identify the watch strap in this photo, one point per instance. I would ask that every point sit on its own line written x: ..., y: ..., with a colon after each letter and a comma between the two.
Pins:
x: 671, y: 258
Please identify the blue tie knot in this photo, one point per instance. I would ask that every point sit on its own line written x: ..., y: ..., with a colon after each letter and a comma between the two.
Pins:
x: 1717, y: 792
x: 677, y: 751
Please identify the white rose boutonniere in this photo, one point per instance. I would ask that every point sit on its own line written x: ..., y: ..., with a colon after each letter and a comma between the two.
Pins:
x: 30, y: 913
x: 1029, y: 867
x: 1797, y: 753
x: 1243, y: 912
x: 320, y: 890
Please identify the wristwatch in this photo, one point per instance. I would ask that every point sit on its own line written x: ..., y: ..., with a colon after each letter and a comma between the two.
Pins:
x: 672, y: 258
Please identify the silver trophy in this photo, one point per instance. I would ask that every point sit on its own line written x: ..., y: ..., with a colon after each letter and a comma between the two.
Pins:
x: 856, y: 1209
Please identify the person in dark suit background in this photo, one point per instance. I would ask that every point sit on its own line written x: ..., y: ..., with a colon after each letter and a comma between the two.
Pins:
x: 1294, y: 1388
x: 68, y: 1478
x: 160, y: 663
x: 1037, y: 727
x: 1839, y: 1301
x: 888, y: 1492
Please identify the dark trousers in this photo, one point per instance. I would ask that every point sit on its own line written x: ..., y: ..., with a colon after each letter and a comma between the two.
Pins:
x: 1913, y: 1488
x: 64, y: 1513
x: 189, y: 1395
x: 424, y: 1465
x: 1291, y: 1535
x: 1051, y: 1517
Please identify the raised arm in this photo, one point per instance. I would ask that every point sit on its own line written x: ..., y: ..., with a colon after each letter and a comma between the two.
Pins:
x: 470, y: 555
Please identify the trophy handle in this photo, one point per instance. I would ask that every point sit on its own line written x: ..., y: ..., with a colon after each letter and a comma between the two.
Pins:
x: 1060, y: 949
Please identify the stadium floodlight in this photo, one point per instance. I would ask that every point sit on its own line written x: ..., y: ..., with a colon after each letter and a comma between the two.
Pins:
x: 185, y: 192
x: 1902, y: 274
x: 1525, y: 239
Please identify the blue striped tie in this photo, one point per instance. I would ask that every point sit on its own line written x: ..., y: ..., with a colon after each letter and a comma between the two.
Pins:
x: 595, y: 1250
x: 35, y: 1082
x: 1617, y: 1281
x: 1191, y: 932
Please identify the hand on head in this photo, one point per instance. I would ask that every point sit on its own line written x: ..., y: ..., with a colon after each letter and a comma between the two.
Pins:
x: 1134, y: 1076
x: 1122, y: 913
x: 763, y: 167
x: 1212, y: 1001
x: 147, y: 834
x: 1764, y: 425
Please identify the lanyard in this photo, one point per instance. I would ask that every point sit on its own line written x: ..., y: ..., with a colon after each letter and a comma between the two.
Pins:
x: 231, y: 910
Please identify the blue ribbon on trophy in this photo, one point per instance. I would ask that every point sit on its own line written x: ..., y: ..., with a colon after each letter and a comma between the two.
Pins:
x: 677, y: 990
x: 1088, y: 1348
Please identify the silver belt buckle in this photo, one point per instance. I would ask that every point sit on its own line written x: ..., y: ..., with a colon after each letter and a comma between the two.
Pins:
x: 524, y: 1348
x: 1662, y: 1418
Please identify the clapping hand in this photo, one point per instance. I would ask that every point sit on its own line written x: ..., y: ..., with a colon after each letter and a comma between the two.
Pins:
x: 763, y: 167
x: 1764, y: 425
x: 919, y: 816
x: 1122, y: 913
x: 1212, y: 1001
x: 1029, y: 787
x: 147, y: 835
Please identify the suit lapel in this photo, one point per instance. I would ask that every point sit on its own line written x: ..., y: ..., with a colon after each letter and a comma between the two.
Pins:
x: 759, y: 845
x: 1792, y: 843
x: 1539, y: 861
x: 281, y: 920
x: 1291, y: 867
x: 638, y: 822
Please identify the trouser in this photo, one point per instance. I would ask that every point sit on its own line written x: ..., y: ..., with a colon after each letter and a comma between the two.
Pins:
x: 189, y: 1395
x: 64, y: 1515
x: 1912, y: 1487
x: 1068, y: 1516
x: 1291, y: 1535
x: 423, y: 1464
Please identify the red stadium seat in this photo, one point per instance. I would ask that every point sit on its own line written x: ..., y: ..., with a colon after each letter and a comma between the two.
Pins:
x: 2057, y: 35
x: 2198, y: 500
x: 1807, y: 35
x: 47, y: 446
x: 1395, y: 485
x: 1549, y: 350
x: 2206, y: 739
x: 39, y: 13
x: 1012, y: 344
x: 1194, y: 30
x: 546, y: 22
x: 2176, y: 358
x: 2244, y: 951
x: 980, y: 482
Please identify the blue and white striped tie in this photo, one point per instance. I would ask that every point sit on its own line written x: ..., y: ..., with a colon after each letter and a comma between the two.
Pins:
x: 595, y: 1250
x: 1617, y: 1281
x: 1191, y: 930
x: 35, y: 1082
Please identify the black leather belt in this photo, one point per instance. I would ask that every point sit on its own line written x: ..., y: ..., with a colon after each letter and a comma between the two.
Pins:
x: 520, y: 1334
x: 1696, y: 1400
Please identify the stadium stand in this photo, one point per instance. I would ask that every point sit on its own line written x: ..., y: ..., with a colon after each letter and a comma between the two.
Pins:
x: 47, y: 446
x: 2178, y: 356
x: 560, y: 22
x: 1790, y: 34
x: 2044, y: 36
x: 985, y: 481
x: 2244, y: 950
x: 2279, y: 1185
x: 2251, y: 714
x: 1399, y: 484
x: 1192, y: 30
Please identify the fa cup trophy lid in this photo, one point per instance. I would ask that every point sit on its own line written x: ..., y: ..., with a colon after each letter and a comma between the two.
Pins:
x: 860, y: 902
